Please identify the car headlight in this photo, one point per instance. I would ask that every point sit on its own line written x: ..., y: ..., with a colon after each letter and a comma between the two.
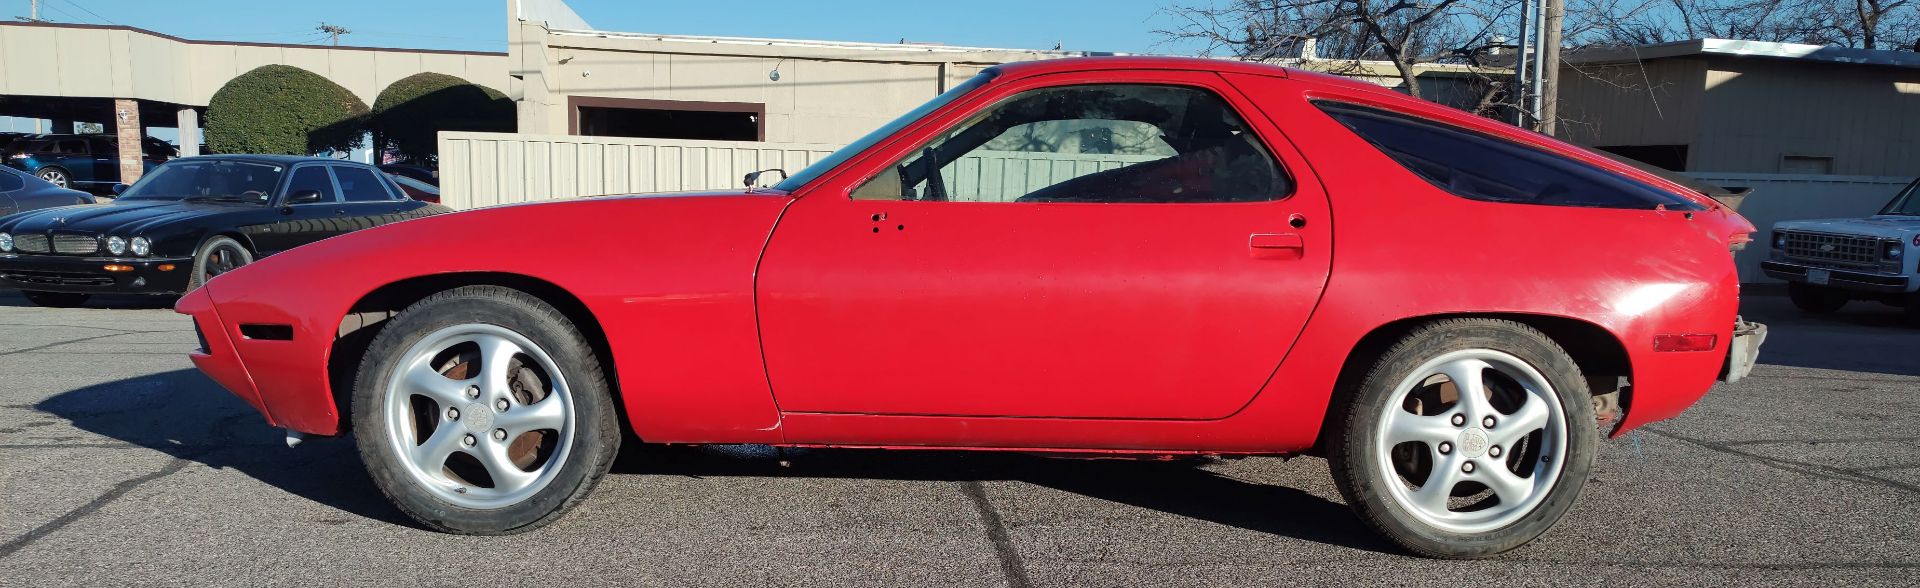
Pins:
x: 1895, y: 249
x: 141, y: 246
x: 1779, y: 240
x: 116, y: 245
x: 6, y: 242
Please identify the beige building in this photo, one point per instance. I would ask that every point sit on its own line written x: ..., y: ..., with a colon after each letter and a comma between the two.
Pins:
x: 581, y: 81
x: 71, y: 73
x: 1714, y: 105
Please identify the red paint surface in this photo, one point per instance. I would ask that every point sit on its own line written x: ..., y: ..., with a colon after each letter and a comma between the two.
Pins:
x: 784, y: 318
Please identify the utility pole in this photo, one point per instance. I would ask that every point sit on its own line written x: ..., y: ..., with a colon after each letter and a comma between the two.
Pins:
x: 1556, y: 12
x: 333, y: 31
x: 35, y: 17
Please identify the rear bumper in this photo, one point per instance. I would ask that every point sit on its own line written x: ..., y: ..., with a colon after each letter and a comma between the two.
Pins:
x: 1743, y: 351
x: 1840, y: 278
x: 87, y: 275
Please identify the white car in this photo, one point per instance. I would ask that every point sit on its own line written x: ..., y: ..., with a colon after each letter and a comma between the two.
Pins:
x: 1829, y: 262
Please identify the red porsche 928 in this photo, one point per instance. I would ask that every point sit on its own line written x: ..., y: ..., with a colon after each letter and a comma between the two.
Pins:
x: 1133, y: 256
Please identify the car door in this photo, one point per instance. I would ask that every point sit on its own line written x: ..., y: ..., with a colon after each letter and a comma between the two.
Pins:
x: 103, y: 161
x: 1101, y: 261
x: 367, y: 200
x: 301, y: 223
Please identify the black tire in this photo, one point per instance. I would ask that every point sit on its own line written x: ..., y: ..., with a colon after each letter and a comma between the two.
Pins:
x: 596, y: 436
x: 217, y: 256
x: 1354, y: 452
x: 56, y: 299
x: 1816, y: 299
x: 56, y: 176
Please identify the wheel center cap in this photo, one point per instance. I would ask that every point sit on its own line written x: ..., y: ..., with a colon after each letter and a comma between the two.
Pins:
x: 1473, y: 442
x: 476, y: 417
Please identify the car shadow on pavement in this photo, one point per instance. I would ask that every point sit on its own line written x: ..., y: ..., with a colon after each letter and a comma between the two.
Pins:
x: 1180, y: 486
x: 1863, y: 337
x: 185, y: 415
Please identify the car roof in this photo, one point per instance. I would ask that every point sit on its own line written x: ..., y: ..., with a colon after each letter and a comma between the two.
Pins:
x: 276, y: 159
x: 1071, y: 64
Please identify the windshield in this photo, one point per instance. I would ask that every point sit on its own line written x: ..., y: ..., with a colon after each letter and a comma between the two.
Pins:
x: 1907, y: 203
x: 235, y: 181
x: 818, y: 168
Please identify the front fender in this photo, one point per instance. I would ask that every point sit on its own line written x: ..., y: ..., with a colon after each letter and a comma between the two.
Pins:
x: 670, y: 281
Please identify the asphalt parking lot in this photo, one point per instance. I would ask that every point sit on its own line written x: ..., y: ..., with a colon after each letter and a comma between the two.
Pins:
x: 121, y: 464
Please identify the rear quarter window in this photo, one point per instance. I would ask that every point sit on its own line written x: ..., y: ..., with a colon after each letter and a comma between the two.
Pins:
x: 1476, y: 166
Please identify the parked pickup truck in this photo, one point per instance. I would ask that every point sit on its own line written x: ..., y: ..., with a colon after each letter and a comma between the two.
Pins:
x: 1830, y: 262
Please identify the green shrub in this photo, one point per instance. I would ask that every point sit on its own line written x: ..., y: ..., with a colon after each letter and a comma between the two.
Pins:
x: 409, y: 114
x: 285, y: 110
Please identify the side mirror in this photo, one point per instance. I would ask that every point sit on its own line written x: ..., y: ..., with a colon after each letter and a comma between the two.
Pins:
x: 118, y: 188
x: 303, y: 197
x: 753, y: 179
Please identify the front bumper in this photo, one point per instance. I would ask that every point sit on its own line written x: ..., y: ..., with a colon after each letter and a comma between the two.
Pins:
x: 1840, y: 278
x: 88, y: 275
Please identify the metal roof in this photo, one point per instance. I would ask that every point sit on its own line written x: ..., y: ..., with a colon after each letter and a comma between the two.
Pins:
x: 1737, y: 48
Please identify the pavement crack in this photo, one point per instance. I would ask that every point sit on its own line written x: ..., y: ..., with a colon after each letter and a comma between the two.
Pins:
x: 1811, y: 469
x: 16, y: 544
x: 1011, y: 565
x: 59, y: 343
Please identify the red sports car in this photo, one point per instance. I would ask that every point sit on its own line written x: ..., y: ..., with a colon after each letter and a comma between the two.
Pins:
x: 1145, y: 256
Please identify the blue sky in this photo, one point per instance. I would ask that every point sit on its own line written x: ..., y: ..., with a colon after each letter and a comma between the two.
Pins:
x: 1090, y: 25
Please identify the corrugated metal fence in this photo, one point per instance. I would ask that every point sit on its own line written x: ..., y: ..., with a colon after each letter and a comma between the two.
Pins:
x: 484, y: 169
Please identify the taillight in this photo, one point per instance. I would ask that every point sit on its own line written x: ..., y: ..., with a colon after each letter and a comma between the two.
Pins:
x: 1688, y: 342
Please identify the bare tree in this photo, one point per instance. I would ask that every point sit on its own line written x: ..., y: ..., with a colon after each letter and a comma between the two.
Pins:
x: 1865, y: 24
x: 1405, y: 33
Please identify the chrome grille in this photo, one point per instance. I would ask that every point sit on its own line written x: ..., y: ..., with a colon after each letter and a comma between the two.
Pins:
x: 1836, y: 248
x: 30, y: 243
x: 75, y: 244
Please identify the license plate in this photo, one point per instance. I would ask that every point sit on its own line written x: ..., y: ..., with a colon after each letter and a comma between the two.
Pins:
x: 1819, y: 276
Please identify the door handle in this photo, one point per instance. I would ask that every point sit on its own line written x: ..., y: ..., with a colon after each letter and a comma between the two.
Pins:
x: 1276, y: 241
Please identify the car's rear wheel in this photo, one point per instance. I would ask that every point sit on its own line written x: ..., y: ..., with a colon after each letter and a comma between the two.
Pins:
x: 56, y: 299
x: 1816, y: 299
x: 55, y: 176
x: 217, y: 256
x: 483, y: 410
x: 1468, y: 438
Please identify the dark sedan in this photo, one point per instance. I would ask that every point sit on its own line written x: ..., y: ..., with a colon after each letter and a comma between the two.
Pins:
x: 192, y: 219
x: 21, y: 191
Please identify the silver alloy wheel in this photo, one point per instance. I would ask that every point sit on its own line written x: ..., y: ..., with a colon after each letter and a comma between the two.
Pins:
x: 1517, y: 460
x: 54, y: 176
x: 482, y: 416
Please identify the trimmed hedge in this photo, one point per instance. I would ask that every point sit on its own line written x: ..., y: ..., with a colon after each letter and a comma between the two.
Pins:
x: 408, y: 115
x: 285, y: 110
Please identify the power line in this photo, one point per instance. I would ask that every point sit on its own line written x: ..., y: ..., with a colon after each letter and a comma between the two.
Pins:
x: 84, y: 9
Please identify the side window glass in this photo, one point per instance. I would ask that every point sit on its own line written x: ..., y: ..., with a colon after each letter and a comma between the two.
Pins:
x: 360, y: 185
x: 1114, y: 143
x: 1479, y: 167
x: 72, y: 147
x: 313, y: 177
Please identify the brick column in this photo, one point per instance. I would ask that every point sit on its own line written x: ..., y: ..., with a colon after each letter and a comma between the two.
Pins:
x: 126, y: 124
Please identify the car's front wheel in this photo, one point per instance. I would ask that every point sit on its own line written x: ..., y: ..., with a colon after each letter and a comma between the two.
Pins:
x: 483, y: 410
x: 1468, y: 438
x: 217, y: 256
x: 55, y: 299
x: 1816, y: 299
